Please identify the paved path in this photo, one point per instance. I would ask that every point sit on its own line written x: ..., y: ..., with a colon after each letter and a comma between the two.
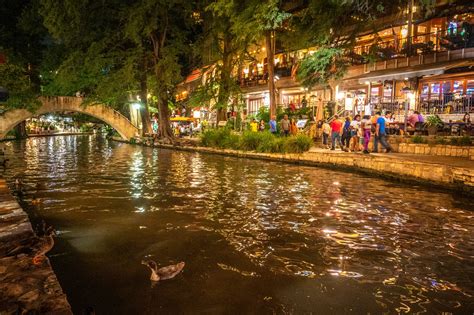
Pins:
x: 24, y: 287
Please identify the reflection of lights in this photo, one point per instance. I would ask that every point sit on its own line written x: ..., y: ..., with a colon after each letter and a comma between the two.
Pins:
x: 335, y: 183
x: 140, y: 210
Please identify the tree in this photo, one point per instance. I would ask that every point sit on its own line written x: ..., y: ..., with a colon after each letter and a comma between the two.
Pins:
x: 333, y: 36
x: 259, y: 19
x: 162, y: 29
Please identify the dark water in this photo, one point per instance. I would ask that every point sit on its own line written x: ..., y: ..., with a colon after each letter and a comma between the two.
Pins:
x: 257, y: 237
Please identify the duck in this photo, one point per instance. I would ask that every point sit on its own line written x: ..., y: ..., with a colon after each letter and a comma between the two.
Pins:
x: 37, y: 247
x: 164, y: 273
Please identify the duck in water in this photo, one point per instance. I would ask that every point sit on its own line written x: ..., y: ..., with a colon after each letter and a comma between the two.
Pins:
x: 164, y: 273
x: 37, y: 246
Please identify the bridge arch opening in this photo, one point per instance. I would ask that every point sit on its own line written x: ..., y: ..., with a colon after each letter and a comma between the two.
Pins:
x: 102, y: 112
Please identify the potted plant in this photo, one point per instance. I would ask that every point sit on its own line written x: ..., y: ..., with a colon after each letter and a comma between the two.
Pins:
x: 432, y: 124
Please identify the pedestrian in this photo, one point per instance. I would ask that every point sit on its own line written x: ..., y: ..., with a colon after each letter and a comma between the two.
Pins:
x: 273, y: 125
x: 346, y: 132
x: 354, y: 130
x: 304, y: 102
x: 261, y: 127
x: 285, y: 126
x: 253, y: 125
x: 366, y: 127
x: 191, y: 129
x: 336, y: 128
x: 380, y: 133
x: 293, y: 127
x: 326, y: 132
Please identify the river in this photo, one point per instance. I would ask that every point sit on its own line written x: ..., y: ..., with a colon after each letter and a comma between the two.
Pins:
x: 256, y: 236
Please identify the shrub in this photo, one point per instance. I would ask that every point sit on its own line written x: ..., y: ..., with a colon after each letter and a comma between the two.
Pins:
x: 440, y: 141
x: 465, y: 141
x: 255, y: 141
x: 298, y: 144
x: 268, y: 143
x: 453, y: 141
x: 251, y: 140
x: 418, y: 139
x: 214, y: 137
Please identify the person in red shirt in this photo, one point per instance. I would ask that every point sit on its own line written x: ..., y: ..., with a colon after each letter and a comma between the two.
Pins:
x: 336, y: 127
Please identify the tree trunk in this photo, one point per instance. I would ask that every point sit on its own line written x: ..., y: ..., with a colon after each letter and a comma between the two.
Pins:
x: 164, y: 127
x: 226, y: 72
x: 144, y: 112
x: 20, y: 130
x: 271, y: 71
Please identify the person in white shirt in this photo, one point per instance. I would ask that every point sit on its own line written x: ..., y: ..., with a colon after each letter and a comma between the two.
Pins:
x: 354, y: 128
x: 326, y: 133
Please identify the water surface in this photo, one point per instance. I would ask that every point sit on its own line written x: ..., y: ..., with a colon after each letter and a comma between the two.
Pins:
x: 256, y: 236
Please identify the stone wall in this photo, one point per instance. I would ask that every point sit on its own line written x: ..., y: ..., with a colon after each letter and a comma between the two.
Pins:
x: 440, y: 150
x: 24, y: 288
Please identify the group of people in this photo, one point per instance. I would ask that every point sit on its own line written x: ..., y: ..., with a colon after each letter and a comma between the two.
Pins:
x: 287, y: 126
x: 354, y: 135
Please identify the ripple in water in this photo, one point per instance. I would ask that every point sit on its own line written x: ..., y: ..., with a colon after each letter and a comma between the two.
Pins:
x: 256, y: 236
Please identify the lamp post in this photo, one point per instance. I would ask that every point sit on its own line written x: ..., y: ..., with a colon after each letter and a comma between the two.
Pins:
x: 406, y: 90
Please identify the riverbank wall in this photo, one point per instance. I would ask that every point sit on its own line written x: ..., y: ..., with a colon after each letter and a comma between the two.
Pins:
x: 25, y: 288
x: 445, y: 173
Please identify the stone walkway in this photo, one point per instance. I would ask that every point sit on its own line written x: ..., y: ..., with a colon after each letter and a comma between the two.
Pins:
x: 24, y: 287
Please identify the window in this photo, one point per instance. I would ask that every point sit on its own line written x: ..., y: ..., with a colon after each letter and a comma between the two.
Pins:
x: 424, y: 92
x: 470, y: 87
x: 374, y: 94
x: 458, y: 87
x: 387, y: 93
x: 446, y: 87
x: 434, y: 91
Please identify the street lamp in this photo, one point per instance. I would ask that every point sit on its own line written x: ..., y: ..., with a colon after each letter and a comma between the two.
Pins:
x: 406, y: 90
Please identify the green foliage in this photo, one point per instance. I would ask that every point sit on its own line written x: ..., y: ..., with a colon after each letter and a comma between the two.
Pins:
x: 324, y: 65
x: 418, y: 139
x: 16, y: 81
x: 255, y: 141
x: 465, y: 141
x: 461, y: 141
x: 299, y: 144
x: 433, y: 121
x: 440, y: 140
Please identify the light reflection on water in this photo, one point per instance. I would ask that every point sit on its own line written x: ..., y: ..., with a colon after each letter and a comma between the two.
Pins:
x: 256, y: 236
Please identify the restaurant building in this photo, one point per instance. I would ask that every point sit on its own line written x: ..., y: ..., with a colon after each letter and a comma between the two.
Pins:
x: 422, y: 63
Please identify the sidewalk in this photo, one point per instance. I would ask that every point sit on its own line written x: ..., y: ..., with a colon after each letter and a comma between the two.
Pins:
x: 24, y: 287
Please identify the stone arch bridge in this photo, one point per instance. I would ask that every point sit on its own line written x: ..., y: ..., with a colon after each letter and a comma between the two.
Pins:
x: 108, y: 115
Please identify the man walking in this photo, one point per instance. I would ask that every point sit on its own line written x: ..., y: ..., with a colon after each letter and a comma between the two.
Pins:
x: 380, y: 133
x: 285, y: 125
x: 273, y: 125
x: 336, y: 126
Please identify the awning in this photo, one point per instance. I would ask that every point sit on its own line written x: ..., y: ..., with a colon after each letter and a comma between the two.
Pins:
x: 412, y: 72
x: 196, y: 74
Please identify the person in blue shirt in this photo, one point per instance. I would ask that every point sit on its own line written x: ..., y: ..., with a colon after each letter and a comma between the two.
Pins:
x: 273, y: 125
x: 380, y: 133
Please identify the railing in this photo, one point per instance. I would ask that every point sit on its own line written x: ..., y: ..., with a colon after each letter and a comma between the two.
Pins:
x: 426, y: 43
x: 448, y: 105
